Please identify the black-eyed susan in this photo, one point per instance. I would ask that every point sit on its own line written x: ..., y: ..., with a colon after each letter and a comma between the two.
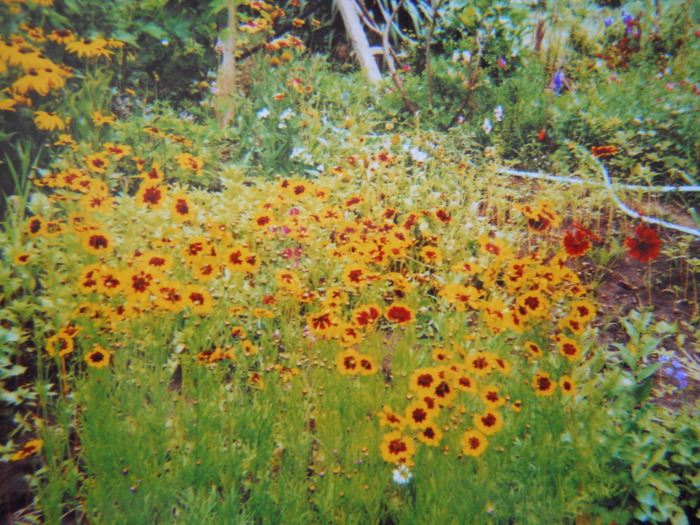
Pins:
x: 474, y: 443
x: 489, y: 422
x: 397, y: 448
x: 48, y: 121
x: 543, y: 384
x: 249, y: 348
x: 98, y: 357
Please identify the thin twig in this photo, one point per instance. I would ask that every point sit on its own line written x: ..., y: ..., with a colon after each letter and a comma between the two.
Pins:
x: 390, y: 63
x: 429, y: 39
x: 472, y: 76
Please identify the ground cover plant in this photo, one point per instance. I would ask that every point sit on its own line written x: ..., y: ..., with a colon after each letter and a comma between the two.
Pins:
x: 351, y: 303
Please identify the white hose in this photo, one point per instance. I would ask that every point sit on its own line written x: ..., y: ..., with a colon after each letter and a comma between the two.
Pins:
x: 609, y: 185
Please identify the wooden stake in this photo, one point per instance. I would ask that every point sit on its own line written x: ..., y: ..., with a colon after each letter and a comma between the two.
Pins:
x: 358, y: 39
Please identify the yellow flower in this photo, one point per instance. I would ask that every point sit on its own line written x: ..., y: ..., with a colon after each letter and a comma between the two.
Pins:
x: 397, y: 448
x: 474, y: 443
x: 98, y: 357
x: 190, y: 162
x: 489, y: 422
x: 48, y: 121
x: 99, y: 119
x: 28, y: 449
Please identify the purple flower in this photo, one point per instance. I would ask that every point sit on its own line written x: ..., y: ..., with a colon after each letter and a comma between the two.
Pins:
x: 608, y: 22
x: 558, y: 82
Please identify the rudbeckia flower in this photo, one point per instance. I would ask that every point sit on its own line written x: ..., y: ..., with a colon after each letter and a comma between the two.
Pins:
x: 48, y: 121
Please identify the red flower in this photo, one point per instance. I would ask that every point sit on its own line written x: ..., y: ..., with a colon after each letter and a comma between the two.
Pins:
x: 645, y: 245
x: 541, y: 135
x: 576, y: 243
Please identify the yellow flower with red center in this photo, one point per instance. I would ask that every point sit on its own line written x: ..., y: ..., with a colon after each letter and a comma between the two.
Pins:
x: 190, y: 162
x: 489, y: 422
x: 496, y: 247
x: 181, y: 208
x: 60, y: 344
x: 431, y: 254
x: 417, y: 415
x: 118, y: 151
x: 366, y: 316
x: 322, y: 324
x: 97, y: 243
x: 473, y: 443
x: 155, y: 174
x: 98, y: 357
x: 461, y: 296
x: 543, y: 384
x: 583, y: 310
x: 100, y: 120
x: 28, y: 449
x: 532, y: 304
x: 479, y: 363
x: 569, y: 348
x: 492, y: 397
x: 533, y: 349
x: 366, y: 365
x: 349, y: 334
x: 387, y: 417
x: 151, y: 194
x: 465, y: 382
x: 170, y: 296
x: 348, y: 362
x: 567, y: 385
x: 198, y: 299
x: 206, y: 269
x: 430, y: 435
x: 397, y: 448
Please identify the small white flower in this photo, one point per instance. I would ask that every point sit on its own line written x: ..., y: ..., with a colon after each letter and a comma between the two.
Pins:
x: 402, y: 475
x: 418, y: 156
x: 487, y: 126
x: 287, y: 114
x: 263, y: 113
x: 498, y: 113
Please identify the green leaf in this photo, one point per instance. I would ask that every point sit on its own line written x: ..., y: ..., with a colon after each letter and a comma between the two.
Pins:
x: 648, y: 371
x: 663, y: 486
